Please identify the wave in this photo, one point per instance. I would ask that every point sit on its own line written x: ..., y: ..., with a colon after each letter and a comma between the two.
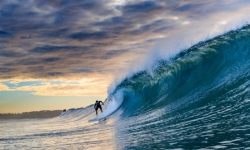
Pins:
x: 192, y: 76
x: 198, y: 98
x: 193, y: 72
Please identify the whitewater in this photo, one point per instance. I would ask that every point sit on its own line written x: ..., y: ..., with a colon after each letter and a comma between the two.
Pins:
x: 197, y: 99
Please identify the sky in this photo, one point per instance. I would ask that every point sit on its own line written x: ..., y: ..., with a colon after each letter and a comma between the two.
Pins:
x: 61, y: 54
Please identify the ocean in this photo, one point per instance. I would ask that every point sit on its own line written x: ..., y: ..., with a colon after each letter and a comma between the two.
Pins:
x: 198, y: 99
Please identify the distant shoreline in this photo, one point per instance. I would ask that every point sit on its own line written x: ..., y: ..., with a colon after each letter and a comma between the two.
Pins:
x: 32, y: 114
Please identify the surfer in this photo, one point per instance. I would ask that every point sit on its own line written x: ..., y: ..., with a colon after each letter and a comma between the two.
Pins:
x: 98, y: 105
x: 63, y: 112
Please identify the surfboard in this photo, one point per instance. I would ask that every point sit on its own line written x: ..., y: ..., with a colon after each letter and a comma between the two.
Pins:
x: 98, y: 118
x: 103, y: 119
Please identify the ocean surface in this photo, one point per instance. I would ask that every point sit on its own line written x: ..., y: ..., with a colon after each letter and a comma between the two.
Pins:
x: 199, y: 99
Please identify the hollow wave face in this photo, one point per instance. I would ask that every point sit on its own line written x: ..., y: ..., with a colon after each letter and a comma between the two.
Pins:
x: 198, y: 99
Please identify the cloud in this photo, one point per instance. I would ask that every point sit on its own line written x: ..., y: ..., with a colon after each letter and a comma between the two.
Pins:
x: 89, y: 36
x: 145, y: 7
x: 65, y: 90
x: 70, y: 40
x: 49, y: 49
x: 10, y: 53
x: 85, y: 87
x: 3, y: 87
x: 3, y: 32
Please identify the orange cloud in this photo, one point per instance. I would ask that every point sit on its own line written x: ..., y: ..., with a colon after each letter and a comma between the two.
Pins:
x: 3, y: 87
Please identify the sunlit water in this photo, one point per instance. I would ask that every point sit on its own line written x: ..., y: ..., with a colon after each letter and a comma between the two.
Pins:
x: 56, y: 133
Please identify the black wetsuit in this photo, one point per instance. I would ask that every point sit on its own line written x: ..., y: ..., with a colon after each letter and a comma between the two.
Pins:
x: 98, y: 105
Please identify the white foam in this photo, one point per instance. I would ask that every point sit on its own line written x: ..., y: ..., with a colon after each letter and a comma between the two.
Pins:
x: 183, y: 38
x: 62, y: 114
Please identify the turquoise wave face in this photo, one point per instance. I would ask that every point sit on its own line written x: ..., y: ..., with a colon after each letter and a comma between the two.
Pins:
x: 199, y: 99
x: 197, y: 71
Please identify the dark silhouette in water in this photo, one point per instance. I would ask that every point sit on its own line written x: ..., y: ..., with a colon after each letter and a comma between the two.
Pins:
x: 98, y: 105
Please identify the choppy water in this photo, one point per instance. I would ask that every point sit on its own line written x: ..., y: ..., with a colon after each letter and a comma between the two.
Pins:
x: 198, y: 100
